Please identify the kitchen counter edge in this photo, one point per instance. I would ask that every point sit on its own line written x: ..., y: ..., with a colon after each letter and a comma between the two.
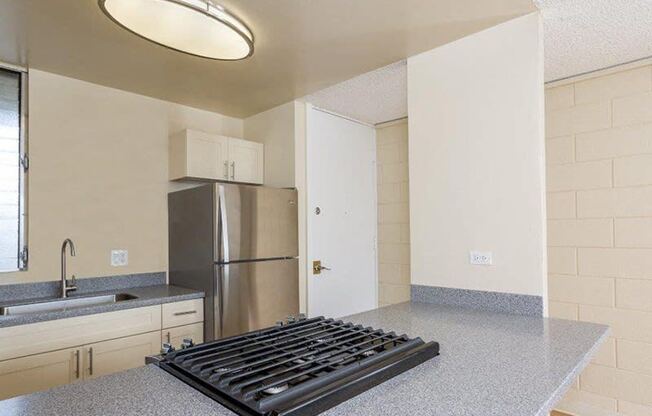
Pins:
x: 146, y: 296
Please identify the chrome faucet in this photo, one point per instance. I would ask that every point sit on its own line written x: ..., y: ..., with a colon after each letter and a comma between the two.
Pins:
x: 65, y: 287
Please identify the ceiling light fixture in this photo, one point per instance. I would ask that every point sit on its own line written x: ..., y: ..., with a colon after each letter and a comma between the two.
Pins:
x: 195, y: 27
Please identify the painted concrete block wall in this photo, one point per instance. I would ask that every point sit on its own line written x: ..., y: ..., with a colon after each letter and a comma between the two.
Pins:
x: 476, y: 160
x: 393, y: 214
x: 599, y: 163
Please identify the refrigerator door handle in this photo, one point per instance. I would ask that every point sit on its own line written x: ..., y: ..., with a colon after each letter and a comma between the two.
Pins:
x: 218, y: 303
x: 224, y: 301
x: 223, y: 284
x: 224, y: 229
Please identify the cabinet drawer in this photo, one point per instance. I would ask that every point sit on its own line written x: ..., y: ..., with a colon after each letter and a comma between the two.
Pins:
x: 182, y: 313
x: 175, y: 336
x: 23, y: 340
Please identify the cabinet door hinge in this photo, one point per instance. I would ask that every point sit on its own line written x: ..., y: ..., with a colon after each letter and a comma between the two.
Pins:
x: 24, y: 161
x: 24, y: 257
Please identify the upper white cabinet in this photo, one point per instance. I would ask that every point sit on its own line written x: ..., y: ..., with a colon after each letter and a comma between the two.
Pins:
x: 195, y: 154
x: 199, y: 155
x: 246, y: 159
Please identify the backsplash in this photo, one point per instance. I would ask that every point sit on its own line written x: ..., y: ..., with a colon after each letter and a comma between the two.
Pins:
x: 48, y: 289
x: 514, y: 303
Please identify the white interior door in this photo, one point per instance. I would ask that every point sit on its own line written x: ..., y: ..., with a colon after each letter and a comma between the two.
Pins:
x: 342, y: 225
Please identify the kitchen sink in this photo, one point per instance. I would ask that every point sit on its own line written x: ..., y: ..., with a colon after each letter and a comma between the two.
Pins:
x: 64, y: 304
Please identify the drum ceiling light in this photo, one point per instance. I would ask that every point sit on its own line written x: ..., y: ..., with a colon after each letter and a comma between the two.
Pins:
x: 195, y: 27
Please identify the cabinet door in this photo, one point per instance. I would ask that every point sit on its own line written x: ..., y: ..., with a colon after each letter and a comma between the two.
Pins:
x: 39, y: 372
x: 246, y: 161
x: 119, y: 354
x: 206, y: 155
x: 175, y: 336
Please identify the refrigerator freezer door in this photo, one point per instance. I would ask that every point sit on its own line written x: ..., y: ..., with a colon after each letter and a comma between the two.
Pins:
x: 257, y: 294
x: 255, y: 223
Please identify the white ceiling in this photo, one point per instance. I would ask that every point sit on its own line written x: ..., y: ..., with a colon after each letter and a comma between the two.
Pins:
x: 585, y: 35
x: 301, y: 46
x: 374, y: 97
x: 579, y: 35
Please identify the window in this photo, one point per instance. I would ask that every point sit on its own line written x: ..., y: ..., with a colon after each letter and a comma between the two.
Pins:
x: 13, y: 169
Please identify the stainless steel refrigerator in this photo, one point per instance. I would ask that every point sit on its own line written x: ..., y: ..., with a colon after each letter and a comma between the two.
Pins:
x: 238, y: 244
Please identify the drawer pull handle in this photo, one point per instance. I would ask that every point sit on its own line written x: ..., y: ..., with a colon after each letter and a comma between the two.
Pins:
x: 90, y: 361
x: 76, y: 363
x: 184, y: 313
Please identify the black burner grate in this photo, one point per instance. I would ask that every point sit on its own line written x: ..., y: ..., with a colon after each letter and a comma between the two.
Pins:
x: 302, y: 368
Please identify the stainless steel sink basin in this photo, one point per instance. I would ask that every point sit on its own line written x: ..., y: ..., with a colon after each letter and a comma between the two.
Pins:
x: 64, y: 304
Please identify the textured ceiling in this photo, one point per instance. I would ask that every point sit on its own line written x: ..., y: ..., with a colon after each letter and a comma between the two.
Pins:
x: 579, y: 35
x: 373, y: 98
x: 585, y: 35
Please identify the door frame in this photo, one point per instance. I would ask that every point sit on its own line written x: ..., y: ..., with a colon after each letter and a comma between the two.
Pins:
x: 308, y: 210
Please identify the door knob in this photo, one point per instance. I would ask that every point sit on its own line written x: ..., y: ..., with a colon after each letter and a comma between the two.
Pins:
x: 317, y: 267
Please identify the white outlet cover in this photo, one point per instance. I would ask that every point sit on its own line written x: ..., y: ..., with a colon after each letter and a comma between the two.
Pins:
x: 119, y: 257
x: 482, y: 258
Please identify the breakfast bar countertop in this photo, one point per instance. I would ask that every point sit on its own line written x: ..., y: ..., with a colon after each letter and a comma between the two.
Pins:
x: 490, y: 364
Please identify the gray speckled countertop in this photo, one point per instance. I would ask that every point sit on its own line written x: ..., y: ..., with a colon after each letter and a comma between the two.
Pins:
x: 146, y: 296
x: 490, y: 364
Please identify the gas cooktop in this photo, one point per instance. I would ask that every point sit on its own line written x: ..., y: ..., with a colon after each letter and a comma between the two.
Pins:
x: 301, y: 367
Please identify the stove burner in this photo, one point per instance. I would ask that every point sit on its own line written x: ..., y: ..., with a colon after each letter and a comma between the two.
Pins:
x: 299, y: 369
x: 276, y: 389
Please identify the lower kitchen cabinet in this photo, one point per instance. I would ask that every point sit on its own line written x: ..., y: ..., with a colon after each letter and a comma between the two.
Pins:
x: 119, y: 354
x: 43, y: 371
x: 42, y: 355
x: 39, y: 372
x: 175, y: 336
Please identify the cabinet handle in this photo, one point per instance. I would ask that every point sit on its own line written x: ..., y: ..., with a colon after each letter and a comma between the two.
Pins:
x: 184, y: 313
x: 90, y: 361
x: 226, y: 169
x: 233, y: 170
x: 77, y: 364
x: 168, y: 337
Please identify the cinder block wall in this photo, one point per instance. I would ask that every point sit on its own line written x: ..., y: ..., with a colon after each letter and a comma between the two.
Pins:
x: 599, y: 182
x: 393, y: 214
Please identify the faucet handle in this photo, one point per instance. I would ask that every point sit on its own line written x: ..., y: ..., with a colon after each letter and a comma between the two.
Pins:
x: 73, y: 284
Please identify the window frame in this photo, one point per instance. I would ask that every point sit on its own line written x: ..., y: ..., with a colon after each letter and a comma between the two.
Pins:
x: 23, y: 167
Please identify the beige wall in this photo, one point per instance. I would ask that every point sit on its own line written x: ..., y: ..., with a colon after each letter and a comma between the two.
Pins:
x: 282, y: 130
x: 98, y: 175
x: 476, y: 152
x: 599, y: 156
x: 393, y: 214
x: 275, y: 129
x: 300, y: 183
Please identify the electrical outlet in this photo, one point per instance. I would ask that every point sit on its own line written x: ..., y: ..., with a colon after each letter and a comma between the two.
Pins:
x: 119, y: 257
x: 482, y: 258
